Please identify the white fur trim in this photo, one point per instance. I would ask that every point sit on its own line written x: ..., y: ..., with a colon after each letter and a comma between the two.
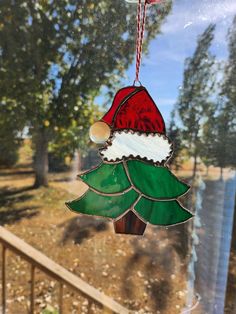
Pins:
x: 155, y: 147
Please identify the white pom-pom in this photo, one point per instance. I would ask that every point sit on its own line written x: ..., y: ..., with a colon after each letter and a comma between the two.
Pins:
x: 99, y: 132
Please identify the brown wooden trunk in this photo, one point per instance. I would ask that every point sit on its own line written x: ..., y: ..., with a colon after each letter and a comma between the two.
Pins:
x: 130, y: 224
x: 194, y: 165
x: 41, y: 159
x: 221, y: 173
x: 207, y: 171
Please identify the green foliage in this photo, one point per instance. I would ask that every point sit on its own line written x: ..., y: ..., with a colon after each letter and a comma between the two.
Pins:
x: 175, y: 135
x: 49, y: 310
x: 209, y: 124
x: 224, y: 145
x: 56, y: 55
x: 229, y: 84
x: 67, y: 140
x: 226, y: 125
x: 208, y: 135
x: 218, y: 138
x: 9, y: 137
x: 9, y: 146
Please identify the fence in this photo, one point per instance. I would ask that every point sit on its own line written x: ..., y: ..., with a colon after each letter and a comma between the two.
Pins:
x: 38, y: 260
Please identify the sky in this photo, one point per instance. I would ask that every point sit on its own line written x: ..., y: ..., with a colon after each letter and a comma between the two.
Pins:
x: 162, y: 69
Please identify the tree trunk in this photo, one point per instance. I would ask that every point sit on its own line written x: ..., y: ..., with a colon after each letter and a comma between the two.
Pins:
x: 207, y: 170
x: 221, y: 173
x: 194, y: 165
x: 41, y: 159
x: 130, y: 224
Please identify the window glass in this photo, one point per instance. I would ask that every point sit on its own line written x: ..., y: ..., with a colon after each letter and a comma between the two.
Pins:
x: 61, y: 65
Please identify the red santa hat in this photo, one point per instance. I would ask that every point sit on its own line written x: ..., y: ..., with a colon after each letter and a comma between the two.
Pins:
x: 138, y: 128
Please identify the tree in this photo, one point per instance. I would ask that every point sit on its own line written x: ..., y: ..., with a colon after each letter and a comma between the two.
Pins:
x: 229, y: 82
x: 225, y: 128
x: 224, y: 144
x: 174, y: 133
x: 196, y: 91
x: 56, y: 55
x: 218, y: 138
x: 208, y: 135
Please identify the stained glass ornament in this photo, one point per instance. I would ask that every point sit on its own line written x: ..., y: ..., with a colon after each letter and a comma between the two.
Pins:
x: 133, y: 185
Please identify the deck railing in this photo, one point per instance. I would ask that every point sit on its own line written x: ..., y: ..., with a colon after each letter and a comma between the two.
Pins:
x: 65, y: 278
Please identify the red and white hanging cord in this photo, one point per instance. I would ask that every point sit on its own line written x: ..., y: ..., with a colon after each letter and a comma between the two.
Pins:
x: 141, y: 20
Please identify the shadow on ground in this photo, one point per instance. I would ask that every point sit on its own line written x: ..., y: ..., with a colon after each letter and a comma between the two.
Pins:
x: 16, y: 173
x: 9, y: 198
x: 159, y: 254
x: 6, y: 191
x: 15, y: 215
x: 80, y: 228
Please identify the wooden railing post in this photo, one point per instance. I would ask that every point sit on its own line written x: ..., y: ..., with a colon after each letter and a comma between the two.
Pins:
x: 54, y: 270
x: 3, y: 279
x: 60, y: 300
x: 32, y: 284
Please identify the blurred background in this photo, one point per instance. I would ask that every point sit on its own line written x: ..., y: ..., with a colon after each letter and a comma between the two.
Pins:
x: 61, y: 63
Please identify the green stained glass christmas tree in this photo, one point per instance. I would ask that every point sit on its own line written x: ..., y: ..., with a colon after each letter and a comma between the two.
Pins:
x: 133, y: 185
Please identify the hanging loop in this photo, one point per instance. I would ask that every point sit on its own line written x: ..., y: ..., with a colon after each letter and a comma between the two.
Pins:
x: 141, y: 20
x: 137, y: 81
